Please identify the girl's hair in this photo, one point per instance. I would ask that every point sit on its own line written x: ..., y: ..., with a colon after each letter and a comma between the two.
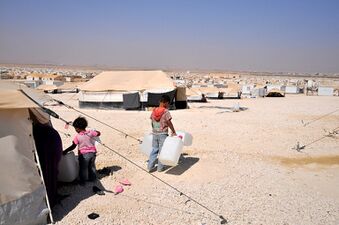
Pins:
x: 80, y: 123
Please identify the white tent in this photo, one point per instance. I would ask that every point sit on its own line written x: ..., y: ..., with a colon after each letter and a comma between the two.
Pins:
x: 110, y: 86
x: 325, y: 91
x: 246, y: 89
x: 22, y: 194
x: 292, y: 90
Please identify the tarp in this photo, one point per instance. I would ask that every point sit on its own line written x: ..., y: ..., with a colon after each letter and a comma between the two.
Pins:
x: 131, y: 100
x: 12, y: 98
x: 124, y: 81
x: 21, y: 191
x: 153, y: 99
x: 47, y: 87
x: 70, y: 85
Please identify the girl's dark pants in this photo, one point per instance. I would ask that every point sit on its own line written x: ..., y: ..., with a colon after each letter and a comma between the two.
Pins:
x: 87, y: 171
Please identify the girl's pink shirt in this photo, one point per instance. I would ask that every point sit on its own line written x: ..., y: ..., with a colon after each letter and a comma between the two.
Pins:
x: 85, y: 142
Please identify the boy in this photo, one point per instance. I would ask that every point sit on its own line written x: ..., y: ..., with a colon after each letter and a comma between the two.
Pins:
x: 86, y: 149
x: 161, y: 121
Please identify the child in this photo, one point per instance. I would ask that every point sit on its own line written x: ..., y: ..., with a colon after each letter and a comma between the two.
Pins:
x: 86, y: 149
x: 161, y: 121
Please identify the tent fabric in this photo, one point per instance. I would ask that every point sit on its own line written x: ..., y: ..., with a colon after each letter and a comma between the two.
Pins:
x: 153, y: 99
x: 21, y: 199
x: 47, y: 87
x: 131, y: 100
x: 275, y: 93
x: 12, y: 98
x: 49, y: 147
x: 181, y: 94
x: 128, y: 81
x: 38, y: 96
x: 28, y: 210
x: 17, y: 145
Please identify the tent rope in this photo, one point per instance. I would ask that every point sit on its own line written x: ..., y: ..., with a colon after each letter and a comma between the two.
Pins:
x: 319, y: 118
x: 332, y: 134
x: 97, y: 120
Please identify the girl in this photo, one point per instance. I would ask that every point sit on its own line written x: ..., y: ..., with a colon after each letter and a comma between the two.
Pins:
x: 86, y: 149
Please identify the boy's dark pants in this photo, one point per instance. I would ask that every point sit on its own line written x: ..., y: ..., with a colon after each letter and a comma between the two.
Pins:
x: 87, y: 171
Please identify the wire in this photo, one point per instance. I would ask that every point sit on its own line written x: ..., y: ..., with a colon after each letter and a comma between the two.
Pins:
x: 86, y: 114
x: 319, y: 118
x: 330, y: 134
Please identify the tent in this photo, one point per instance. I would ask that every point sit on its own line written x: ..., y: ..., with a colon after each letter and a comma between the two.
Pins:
x: 107, y: 89
x: 69, y: 87
x: 195, y: 95
x: 275, y: 93
x: 292, y: 90
x: 247, y: 89
x: 212, y: 92
x: 22, y: 193
x: 47, y: 88
x: 232, y: 91
x: 325, y: 91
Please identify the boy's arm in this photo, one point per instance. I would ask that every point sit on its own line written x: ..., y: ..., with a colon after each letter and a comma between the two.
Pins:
x: 70, y: 148
x: 170, y: 125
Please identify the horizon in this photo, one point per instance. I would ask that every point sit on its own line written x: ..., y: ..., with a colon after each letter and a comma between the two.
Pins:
x: 260, y: 36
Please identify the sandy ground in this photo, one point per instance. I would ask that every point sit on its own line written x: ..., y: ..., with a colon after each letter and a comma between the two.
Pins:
x: 241, y: 165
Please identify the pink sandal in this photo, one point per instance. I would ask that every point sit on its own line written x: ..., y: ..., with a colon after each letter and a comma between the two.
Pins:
x: 118, y: 189
x: 125, y: 182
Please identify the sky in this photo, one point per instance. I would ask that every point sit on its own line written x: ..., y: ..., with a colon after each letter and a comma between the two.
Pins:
x: 240, y: 35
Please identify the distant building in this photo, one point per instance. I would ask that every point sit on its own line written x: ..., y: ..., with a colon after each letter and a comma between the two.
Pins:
x: 47, y: 79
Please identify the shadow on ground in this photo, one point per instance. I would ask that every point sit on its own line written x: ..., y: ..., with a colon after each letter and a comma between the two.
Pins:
x: 74, y: 193
x: 185, y: 162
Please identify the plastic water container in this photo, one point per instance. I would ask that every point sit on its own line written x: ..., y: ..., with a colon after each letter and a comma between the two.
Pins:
x: 186, y: 137
x: 68, y: 168
x: 146, y: 145
x: 171, y: 151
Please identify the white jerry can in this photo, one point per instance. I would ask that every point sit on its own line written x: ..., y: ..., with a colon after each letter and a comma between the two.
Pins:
x: 171, y: 151
x: 146, y: 145
x: 186, y: 137
x: 68, y: 168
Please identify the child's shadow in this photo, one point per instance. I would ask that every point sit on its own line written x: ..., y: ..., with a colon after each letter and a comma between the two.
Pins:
x: 77, y: 193
x: 184, y: 164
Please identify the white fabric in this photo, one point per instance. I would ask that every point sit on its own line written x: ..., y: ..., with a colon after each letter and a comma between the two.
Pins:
x: 18, y: 171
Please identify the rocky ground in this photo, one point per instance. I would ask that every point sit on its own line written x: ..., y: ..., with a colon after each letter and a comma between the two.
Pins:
x: 241, y: 165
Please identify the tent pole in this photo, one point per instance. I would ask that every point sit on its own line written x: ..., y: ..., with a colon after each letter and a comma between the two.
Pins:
x: 43, y: 182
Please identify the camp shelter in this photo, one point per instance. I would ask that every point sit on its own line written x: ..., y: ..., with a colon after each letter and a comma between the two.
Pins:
x: 275, y: 87
x: 195, y: 95
x: 292, y: 89
x: 22, y: 194
x: 47, y: 88
x: 246, y: 89
x: 231, y: 91
x: 126, y: 89
x: 69, y: 87
x: 181, y: 98
x: 258, y: 91
x: 275, y: 93
x: 211, y: 92
x: 325, y: 91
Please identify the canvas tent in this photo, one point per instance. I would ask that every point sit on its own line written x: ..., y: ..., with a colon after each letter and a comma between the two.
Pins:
x: 325, y: 91
x: 275, y: 93
x: 195, y: 95
x: 22, y: 193
x: 292, y: 89
x: 107, y: 89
